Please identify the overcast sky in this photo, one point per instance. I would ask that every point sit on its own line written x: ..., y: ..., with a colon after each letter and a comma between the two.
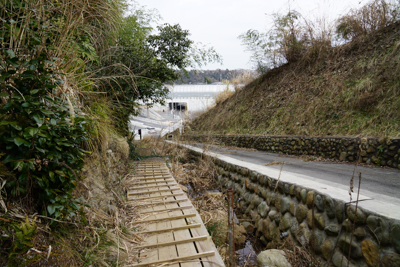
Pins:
x: 218, y: 23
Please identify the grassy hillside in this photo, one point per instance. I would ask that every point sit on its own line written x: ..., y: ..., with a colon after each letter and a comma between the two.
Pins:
x: 352, y: 90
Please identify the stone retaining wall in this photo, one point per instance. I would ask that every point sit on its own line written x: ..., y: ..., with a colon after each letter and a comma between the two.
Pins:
x: 381, y: 152
x: 277, y: 208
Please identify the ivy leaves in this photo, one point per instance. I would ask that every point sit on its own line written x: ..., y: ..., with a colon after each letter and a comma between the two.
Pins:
x: 41, y: 140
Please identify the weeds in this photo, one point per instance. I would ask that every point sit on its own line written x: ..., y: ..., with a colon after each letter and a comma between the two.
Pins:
x: 223, y: 95
x: 338, y: 90
x: 374, y: 16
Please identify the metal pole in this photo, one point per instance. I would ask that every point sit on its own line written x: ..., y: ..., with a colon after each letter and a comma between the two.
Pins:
x: 231, y: 229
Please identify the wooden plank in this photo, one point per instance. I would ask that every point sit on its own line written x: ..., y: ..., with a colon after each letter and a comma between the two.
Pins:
x: 193, y: 239
x: 164, y: 181
x: 152, y: 167
x: 164, y: 204
x: 150, y: 163
x: 151, y: 255
x: 166, y: 252
x: 187, y: 248
x: 167, y: 210
x: 153, y: 183
x: 145, y: 164
x: 151, y: 170
x: 189, y: 226
x: 154, y: 191
x: 161, y: 203
x: 173, y: 223
x: 153, y: 178
x: 152, y: 186
x: 163, y: 196
x: 178, y: 259
x: 168, y: 218
x: 145, y: 174
x: 207, y: 245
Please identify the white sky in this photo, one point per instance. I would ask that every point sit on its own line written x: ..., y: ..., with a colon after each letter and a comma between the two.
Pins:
x: 218, y: 23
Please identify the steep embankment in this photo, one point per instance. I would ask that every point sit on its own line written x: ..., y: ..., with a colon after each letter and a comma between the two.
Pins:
x: 353, y: 90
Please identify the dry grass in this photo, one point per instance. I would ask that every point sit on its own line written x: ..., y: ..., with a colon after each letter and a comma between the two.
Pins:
x: 95, y: 18
x: 348, y: 90
x: 223, y: 95
x: 374, y: 16
x: 300, y: 256
x: 351, y: 92
x: 242, y: 79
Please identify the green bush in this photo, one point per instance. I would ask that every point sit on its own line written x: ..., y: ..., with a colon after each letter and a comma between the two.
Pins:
x: 40, y: 133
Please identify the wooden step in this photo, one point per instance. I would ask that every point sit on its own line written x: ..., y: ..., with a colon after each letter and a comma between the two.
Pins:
x: 152, y: 186
x: 177, y: 259
x: 153, y: 178
x: 166, y: 210
x: 164, y: 181
x: 154, y: 191
x: 189, y: 240
x: 155, y: 197
x: 189, y: 226
x: 169, y: 218
x: 161, y: 203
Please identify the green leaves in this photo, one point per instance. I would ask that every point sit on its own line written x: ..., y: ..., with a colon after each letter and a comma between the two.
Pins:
x: 14, y: 124
x: 30, y: 132
x: 19, y: 165
x: 19, y: 141
x: 171, y: 44
x: 46, y: 112
x: 10, y: 53
x: 154, y: 59
x: 42, y: 143
x: 52, y: 209
x: 39, y: 119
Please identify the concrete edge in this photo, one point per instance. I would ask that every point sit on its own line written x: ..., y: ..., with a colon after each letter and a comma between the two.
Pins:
x: 387, y: 206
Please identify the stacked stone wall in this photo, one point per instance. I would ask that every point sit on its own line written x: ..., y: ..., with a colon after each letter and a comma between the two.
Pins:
x: 311, y: 218
x: 375, y: 151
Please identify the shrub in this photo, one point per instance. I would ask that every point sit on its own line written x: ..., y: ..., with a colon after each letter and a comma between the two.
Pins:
x: 373, y: 16
x: 40, y: 130
x: 41, y: 136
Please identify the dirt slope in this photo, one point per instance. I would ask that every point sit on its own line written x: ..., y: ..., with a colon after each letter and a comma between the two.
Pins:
x: 352, y: 90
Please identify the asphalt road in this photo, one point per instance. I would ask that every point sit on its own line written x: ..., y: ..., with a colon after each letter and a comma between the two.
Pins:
x: 375, y: 183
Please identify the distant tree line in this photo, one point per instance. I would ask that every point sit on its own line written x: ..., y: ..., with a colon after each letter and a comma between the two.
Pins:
x: 207, y: 76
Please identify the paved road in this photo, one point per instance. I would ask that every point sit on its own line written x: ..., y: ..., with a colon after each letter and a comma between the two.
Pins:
x: 141, y: 122
x: 382, y: 185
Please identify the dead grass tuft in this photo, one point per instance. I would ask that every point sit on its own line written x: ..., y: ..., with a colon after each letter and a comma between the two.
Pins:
x: 300, y: 256
x: 222, y: 96
x: 373, y: 16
